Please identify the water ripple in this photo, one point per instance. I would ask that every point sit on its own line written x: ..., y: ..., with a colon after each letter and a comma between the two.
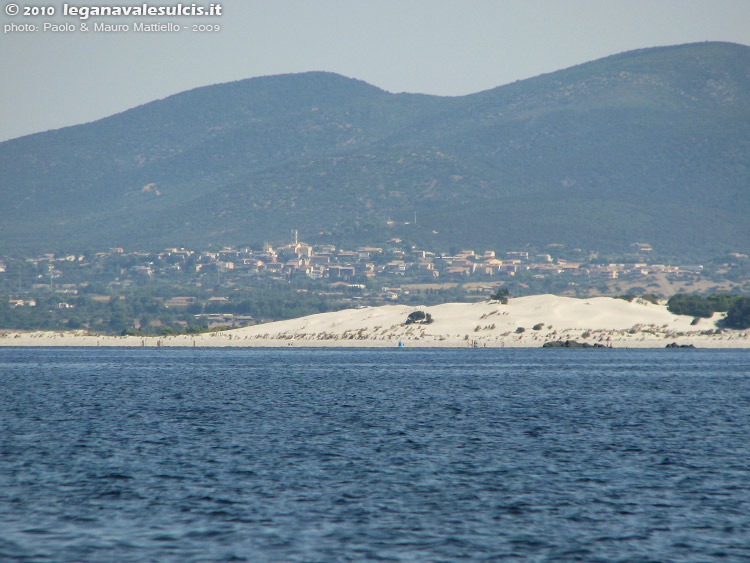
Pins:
x: 392, y: 455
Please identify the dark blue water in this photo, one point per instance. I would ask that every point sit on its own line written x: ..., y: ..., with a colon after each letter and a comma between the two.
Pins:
x: 393, y: 455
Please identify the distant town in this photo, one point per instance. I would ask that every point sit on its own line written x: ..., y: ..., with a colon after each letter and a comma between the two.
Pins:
x: 177, y: 288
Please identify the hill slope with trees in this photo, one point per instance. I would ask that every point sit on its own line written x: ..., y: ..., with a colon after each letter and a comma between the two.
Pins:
x: 650, y: 145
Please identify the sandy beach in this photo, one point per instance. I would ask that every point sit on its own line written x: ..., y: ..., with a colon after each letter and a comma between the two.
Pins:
x: 523, y: 322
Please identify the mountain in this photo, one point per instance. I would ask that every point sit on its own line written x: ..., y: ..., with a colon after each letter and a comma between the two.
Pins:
x: 650, y: 145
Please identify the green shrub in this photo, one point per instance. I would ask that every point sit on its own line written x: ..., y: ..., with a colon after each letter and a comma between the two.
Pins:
x: 501, y: 295
x: 692, y: 305
x: 738, y: 315
x: 418, y: 317
x: 697, y: 306
x: 722, y: 301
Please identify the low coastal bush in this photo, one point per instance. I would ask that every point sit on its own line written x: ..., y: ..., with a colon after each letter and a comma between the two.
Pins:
x: 630, y: 297
x: 738, y: 315
x: 704, y: 307
x: 418, y: 317
x: 722, y: 301
x: 692, y: 305
x: 501, y: 295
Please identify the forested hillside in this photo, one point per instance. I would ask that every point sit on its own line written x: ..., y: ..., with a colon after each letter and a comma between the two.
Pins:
x: 650, y: 145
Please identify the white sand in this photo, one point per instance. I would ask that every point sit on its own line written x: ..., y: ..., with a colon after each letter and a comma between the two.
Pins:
x: 602, y: 320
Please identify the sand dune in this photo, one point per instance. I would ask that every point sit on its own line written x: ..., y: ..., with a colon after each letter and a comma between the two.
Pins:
x: 523, y: 322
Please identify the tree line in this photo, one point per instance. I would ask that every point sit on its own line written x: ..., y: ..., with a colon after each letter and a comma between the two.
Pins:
x: 737, y: 307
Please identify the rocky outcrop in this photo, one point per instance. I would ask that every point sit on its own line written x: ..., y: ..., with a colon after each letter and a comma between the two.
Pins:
x: 571, y: 344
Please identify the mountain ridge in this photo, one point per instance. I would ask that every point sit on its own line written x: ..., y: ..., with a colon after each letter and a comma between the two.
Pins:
x: 574, y: 156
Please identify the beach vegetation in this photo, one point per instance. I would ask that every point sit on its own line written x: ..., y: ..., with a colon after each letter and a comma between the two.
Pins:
x: 691, y: 305
x: 418, y: 317
x: 630, y: 297
x: 502, y: 294
x: 704, y: 307
x: 722, y: 301
x: 738, y: 316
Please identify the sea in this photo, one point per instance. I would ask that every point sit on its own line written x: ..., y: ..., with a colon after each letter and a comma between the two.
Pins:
x: 185, y: 454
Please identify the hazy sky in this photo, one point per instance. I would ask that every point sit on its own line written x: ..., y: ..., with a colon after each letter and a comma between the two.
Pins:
x: 447, y: 47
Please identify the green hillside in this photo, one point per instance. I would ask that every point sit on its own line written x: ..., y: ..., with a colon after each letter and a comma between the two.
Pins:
x: 650, y: 145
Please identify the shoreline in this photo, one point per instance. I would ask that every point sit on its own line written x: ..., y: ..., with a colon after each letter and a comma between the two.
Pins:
x: 525, y: 322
